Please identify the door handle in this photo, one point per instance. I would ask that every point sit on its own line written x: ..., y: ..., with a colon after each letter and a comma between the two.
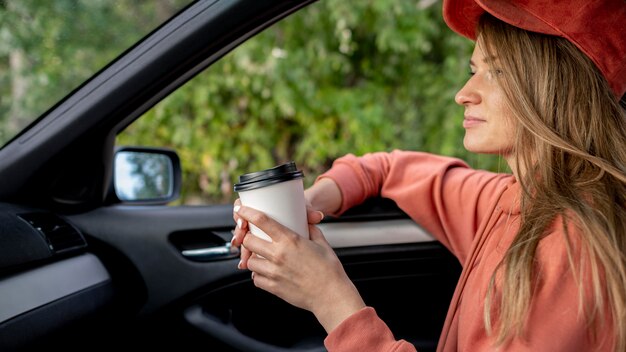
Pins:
x: 227, y: 251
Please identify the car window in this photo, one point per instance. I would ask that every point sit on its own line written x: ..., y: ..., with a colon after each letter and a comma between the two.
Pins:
x: 336, y: 77
x: 48, y: 48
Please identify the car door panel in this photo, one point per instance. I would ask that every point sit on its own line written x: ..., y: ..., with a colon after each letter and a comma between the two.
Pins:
x: 142, y: 234
x: 409, y: 286
x: 408, y: 281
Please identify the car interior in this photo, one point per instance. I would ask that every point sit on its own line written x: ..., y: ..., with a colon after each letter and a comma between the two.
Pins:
x: 81, y: 267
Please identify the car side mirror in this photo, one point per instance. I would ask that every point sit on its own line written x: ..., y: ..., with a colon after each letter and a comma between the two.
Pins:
x: 144, y: 175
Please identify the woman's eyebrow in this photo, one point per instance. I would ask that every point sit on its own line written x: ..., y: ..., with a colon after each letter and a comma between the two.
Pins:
x: 487, y: 59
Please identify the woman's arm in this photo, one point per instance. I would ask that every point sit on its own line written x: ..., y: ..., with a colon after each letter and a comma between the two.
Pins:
x: 324, y: 196
x: 443, y: 195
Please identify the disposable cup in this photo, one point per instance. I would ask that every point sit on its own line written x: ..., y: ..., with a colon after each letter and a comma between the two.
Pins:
x: 279, y: 193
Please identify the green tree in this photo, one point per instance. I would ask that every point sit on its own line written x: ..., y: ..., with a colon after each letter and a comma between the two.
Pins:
x: 336, y: 77
x: 48, y: 48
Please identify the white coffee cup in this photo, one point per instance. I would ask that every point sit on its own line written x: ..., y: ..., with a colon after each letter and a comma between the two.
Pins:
x: 279, y: 193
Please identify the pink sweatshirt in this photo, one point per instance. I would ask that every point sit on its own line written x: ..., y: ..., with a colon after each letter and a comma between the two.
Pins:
x: 475, y: 214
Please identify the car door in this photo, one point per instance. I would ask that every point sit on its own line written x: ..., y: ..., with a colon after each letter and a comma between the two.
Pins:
x: 166, y: 274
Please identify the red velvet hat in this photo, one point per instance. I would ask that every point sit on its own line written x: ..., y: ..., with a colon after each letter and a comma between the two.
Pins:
x: 597, y: 27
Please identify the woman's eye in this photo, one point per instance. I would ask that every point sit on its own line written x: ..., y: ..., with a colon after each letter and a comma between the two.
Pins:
x: 471, y: 73
x: 497, y: 71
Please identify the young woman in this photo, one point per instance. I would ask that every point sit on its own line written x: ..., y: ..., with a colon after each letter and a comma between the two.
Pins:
x: 544, y: 249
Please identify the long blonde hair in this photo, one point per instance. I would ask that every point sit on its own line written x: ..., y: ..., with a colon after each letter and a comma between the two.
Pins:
x: 571, y: 142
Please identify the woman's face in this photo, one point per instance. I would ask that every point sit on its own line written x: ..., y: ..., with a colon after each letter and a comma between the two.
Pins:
x: 488, y: 122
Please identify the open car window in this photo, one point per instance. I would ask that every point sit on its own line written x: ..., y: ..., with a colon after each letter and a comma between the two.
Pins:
x: 49, y: 48
x: 334, y: 78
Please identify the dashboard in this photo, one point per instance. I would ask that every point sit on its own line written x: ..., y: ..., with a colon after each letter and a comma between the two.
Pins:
x: 49, y: 280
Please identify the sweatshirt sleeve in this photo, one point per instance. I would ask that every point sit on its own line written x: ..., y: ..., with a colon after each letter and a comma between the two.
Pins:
x: 441, y: 194
x: 365, y: 331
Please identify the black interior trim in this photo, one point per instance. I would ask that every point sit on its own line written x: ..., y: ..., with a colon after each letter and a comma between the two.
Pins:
x: 48, y: 284
x: 65, y: 323
x: 372, y: 209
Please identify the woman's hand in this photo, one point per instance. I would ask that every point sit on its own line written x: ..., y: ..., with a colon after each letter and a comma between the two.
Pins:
x: 241, y: 229
x: 305, y: 273
x: 323, y: 197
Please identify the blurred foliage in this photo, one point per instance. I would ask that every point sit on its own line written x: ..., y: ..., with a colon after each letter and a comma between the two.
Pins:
x: 337, y: 77
x: 143, y: 176
x: 48, y: 48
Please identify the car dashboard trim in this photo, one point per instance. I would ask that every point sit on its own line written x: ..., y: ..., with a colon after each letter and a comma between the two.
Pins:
x: 40, y: 286
x: 374, y: 233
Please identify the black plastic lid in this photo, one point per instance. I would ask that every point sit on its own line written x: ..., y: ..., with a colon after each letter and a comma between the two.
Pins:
x: 277, y: 174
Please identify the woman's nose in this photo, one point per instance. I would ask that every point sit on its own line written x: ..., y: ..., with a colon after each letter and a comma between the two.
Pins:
x: 468, y: 94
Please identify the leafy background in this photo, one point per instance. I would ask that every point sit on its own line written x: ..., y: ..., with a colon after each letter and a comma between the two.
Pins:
x: 48, y: 48
x: 336, y: 77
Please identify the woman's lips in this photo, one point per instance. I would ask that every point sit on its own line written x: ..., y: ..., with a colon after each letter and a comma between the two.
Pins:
x: 471, y: 121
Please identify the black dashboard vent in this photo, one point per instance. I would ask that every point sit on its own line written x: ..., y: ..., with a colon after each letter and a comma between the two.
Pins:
x: 60, y: 235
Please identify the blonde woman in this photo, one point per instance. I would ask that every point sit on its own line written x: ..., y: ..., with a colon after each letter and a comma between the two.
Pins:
x: 543, y: 249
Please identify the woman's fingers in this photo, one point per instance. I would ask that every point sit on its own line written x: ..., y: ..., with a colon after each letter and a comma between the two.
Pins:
x: 244, y: 255
x: 271, y: 227
x: 314, y: 216
x: 260, y: 266
x: 236, y: 203
x: 264, y: 276
x: 241, y: 226
x: 259, y: 246
x: 241, y: 229
x: 239, y: 233
x: 316, y: 235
